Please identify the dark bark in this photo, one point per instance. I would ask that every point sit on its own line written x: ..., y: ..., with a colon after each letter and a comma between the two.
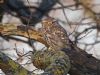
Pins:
x: 82, y: 63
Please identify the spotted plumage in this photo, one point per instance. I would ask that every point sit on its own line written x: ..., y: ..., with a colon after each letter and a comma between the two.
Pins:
x: 54, y: 34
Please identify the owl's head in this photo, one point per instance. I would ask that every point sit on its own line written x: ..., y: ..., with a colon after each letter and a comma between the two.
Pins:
x: 48, y: 23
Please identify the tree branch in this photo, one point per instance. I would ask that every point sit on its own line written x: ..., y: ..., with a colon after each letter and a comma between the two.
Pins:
x: 10, y: 67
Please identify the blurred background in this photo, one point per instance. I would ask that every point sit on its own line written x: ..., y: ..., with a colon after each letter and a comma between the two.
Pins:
x: 80, y: 18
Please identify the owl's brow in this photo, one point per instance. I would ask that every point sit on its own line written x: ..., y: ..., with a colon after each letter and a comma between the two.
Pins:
x: 51, y: 20
x: 48, y: 22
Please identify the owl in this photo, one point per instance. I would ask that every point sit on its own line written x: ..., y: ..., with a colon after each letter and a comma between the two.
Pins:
x: 54, y: 34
